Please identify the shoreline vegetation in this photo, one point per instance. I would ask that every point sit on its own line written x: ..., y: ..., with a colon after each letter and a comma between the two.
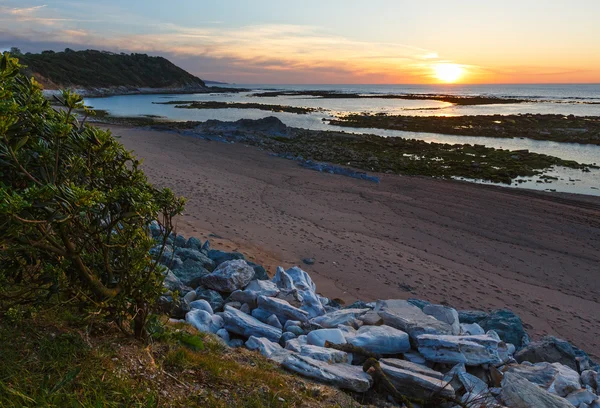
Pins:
x: 554, y: 128
x: 238, y: 105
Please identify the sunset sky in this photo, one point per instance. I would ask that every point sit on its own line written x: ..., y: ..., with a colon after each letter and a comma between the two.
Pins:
x: 328, y: 41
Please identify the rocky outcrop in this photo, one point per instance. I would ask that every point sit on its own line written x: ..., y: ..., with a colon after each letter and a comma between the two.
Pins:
x: 344, y: 376
x: 428, y: 353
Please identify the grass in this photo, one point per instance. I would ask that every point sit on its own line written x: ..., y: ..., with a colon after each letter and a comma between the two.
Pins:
x: 55, y: 359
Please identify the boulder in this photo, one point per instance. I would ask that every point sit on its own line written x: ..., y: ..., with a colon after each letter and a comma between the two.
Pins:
x: 471, y: 316
x: 246, y: 326
x: 260, y: 273
x: 589, y: 378
x: 213, y: 297
x: 445, y: 314
x: 580, y: 397
x: 307, y: 289
x: 552, y: 350
x: 273, y: 351
x: 179, y: 241
x: 319, y: 337
x: 371, y: 318
x: 246, y: 308
x: 285, y: 337
x: 296, y: 344
x: 297, y: 330
x: 470, y: 350
x: 328, y: 355
x: 554, y: 377
x: 344, y: 376
x: 220, y: 257
x: 418, y: 303
x: 416, y: 357
x: 166, y: 257
x: 202, y: 304
x: 508, y: 326
x: 173, y: 283
x: 195, y: 255
x: 204, y: 321
x: 416, y: 385
x: 415, y: 368
x: 346, y: 317
x: 471, y: 329
x: 517, y: 392
x: 381, y: 340
x: 274, y: 321
x: 191, y: 272
x: 243, y: 296
x: 224, y: 334
x: 477, y: 392
x: 261, y: 314
x: 194, y: 243
x: 282, y: 308
x: 401, y: 315
x: 229, y: 276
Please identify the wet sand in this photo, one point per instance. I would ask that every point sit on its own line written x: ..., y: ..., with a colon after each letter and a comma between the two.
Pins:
x: 467, y: 245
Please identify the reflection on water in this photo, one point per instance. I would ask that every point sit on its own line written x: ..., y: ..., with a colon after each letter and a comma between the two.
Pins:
x: 134, y: 105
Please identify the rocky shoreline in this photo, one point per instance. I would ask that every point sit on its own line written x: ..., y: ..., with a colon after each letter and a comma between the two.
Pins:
x: 376, y: 153
x: 418, y: 353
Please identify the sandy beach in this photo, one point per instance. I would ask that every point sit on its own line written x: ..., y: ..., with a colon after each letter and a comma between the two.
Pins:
x: 467, y: 245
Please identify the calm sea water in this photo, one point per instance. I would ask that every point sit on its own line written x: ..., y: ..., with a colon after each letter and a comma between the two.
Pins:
x: 581, y: 100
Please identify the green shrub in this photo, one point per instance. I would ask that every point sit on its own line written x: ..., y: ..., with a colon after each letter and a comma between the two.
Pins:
x: 74, y: 209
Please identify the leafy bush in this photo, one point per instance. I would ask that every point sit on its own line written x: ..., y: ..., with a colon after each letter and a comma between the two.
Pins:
x: 74, y: 209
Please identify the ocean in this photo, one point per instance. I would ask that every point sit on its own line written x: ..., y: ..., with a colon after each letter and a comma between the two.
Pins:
x: 575, y: 99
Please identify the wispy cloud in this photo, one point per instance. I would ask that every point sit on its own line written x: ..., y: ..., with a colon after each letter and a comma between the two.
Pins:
x: 254, y: 53
x: 21, y: 11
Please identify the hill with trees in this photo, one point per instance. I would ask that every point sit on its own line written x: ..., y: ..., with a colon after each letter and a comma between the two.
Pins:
x: 92, y: 69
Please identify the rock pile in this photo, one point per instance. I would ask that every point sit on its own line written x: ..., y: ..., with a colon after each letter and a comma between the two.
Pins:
x: 426, y: 352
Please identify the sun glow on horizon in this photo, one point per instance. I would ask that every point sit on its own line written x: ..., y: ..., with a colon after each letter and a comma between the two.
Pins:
x: 449, y: 73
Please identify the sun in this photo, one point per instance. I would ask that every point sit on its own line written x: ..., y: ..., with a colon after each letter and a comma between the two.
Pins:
x: 447, y: 72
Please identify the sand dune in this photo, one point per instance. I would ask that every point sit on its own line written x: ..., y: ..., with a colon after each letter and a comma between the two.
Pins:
x: 466, y: 245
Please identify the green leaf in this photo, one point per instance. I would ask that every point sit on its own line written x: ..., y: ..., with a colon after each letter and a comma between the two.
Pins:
x: 20, y: 143
x: 67, y: 379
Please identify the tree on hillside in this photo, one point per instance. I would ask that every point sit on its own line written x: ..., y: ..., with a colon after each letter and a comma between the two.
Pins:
x: 75, y: 210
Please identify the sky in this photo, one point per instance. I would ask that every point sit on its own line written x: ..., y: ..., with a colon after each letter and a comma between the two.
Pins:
x: 328, y: 41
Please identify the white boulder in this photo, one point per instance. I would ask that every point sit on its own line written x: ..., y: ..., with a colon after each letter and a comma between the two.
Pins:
x: 381, y: 340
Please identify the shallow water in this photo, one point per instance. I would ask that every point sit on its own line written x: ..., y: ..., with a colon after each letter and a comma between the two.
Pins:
x: 589, y: 183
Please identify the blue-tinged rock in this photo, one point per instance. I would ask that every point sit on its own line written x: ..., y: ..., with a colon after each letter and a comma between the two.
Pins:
x: 191, y: 272
x: 213, y: 297
x: 194, y: 243
x: 187, y: 253
x: 166, y: 257
x: 297, y: 330
x: 508, y: 326
x: 221, y: 256
x: 553, y: 350
x: 285, y: 337
x: 359, y: 304
x: 260, y: 273
x: 471, y: 316
x: 246, y: 326
x: 179, y: 241
x: 206, y: 246
x: 418, y: 303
